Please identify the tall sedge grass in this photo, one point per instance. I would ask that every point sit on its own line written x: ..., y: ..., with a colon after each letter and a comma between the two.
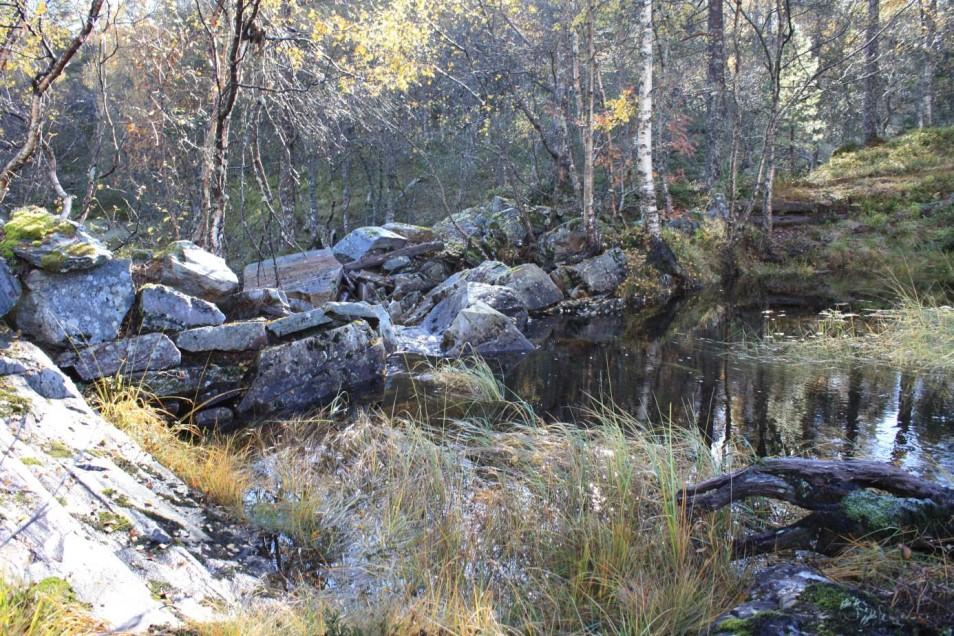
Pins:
x: 491, y: 523
x: 917, y: 333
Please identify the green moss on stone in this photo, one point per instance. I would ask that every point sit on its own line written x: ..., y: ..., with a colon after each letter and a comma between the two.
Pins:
x: 32, y: 224
x: 30, y: 461
x: 58, y: 450
x: 12, y: 404
x: 111, y: 522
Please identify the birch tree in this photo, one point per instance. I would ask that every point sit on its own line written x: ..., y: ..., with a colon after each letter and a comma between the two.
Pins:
x: 644, y: 122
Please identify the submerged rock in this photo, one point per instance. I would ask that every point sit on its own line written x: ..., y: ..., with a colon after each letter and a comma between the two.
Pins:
x: 152, y: 351
x: 165, y: 309
x: 83, y: 307
x: 46, y: 241
x: 533, y: 286
x: 313, y: 276
x: 191, y: 269
x: 312, y: 370
x: 9, y: 289
x: 364, y: 240
x: 795, y: 599
x: 479, y: 328
x: 235, y: 336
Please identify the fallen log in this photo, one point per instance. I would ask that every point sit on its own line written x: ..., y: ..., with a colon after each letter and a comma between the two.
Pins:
x: 846, y: 500
x: 379, y: 259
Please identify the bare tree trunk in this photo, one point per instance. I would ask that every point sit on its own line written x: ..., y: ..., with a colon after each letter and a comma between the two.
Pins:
x: 41, y: 82
x: 929, y: 43
x: 210, y: 231
x: 66, y: 199
x: 644, y: 122
x: 872, y: 73
x: 715, y: 96
x: 587, y: 95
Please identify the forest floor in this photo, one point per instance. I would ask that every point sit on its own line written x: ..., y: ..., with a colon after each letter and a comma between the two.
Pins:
x: 872, y: 219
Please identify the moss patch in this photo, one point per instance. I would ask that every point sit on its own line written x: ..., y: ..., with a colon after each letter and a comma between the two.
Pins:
x: 110, y: 522
x: 12, y: 404
x: 31, y: 224
x: 58, y: 450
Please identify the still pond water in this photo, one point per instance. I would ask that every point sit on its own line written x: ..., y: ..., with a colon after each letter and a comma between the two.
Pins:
x: 685, y: 363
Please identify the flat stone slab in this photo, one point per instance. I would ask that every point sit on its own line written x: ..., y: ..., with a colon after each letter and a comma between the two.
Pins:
x: 604, y: 273
x: 413, y: 233
x: 314, y: 275
x: 307, y: 372
x: 152, y: 351
x: 165, y: 309
x: 364, y: 240
x: 83, y: 307
x: 365, y: 311
x: 234, y: 336
x: 296, y: 323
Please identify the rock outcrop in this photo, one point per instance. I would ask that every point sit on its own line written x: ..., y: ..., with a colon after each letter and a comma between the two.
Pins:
x: 89, y: 507
x: 83, y: 307
x: 533, y: 286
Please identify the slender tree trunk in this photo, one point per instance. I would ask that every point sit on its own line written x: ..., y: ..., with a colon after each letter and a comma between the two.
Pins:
x: 872, y: 73
x: 644, y: 122
x: 929, y: 34
x: 715, y: 97
x: 589, y: 211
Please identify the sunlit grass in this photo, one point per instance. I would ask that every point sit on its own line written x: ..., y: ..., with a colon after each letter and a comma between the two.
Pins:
x: 217, y: 468
x: 45, y: 608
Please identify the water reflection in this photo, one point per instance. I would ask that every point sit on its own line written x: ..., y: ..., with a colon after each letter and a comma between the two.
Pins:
x: 676, y: 364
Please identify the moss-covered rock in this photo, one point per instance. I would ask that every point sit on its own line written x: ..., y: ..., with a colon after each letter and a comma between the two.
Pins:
x: 50, y: 243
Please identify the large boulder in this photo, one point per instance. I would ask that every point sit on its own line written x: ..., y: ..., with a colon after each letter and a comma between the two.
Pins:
x: 499, y: 298
x: 312, y: 370
x: 533, y: 286
x: 365, y: 240
x: 562, y: 243
x: 191, y: 269
x: 479, y: 328
x: 313, y: 276
x: 46, y: 241
x: 165, y: 309
x: 248, y: 335
x: 82, y: 307
x: 9, y: 289
x: 153, y: 352
x: 604, y: 273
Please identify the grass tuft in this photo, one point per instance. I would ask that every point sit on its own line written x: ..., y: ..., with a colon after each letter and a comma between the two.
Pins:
x: 44, y: 608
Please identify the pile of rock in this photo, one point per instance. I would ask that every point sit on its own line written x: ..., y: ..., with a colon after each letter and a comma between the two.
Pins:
x: 300, y: 327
